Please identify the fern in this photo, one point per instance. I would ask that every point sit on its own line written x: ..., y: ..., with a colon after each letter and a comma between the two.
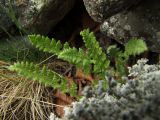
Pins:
x: 46, y: 44
x: 43, y: 76
x: 77, y: 57
x: 93, y: 60
x: 91, y: 44
x: 95, y: 53
x: 133, y: 47
x: 93, y: 56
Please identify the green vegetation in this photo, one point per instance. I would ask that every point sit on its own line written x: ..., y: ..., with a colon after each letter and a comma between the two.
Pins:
x: 18, y: 50
x: 132, y: 48
x: 44, y: 76
x: 81, y: 58
x: 92, y: 60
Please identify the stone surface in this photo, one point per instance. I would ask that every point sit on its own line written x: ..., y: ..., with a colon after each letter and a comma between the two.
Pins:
x: 5, y: 21
x: 37, y: 16
x: 99, y: 10
x: 123, y: 20
x: 140, y: 22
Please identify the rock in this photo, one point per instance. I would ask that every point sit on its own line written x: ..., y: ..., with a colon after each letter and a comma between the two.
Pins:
x: 37, y: 16
x: 99, y: 10
x: 5, y: 21
x: 139, y: 22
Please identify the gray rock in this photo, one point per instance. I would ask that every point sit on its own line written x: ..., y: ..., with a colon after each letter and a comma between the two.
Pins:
x: 5, y: 21
x: 37, y: 16
x: 140, y: 22
x: 99, y: 10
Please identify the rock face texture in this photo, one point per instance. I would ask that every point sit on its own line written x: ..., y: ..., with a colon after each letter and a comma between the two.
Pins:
x: 140, y: 20
x: 99, y: 10
x: 37, y: 16
x: 5, y: 21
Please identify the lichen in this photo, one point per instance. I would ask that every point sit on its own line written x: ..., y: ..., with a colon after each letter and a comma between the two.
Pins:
x: 39, y: 3
x: 138, y: 98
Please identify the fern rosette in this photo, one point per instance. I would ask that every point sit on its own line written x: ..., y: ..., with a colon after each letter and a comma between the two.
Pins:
x: 92, y: 60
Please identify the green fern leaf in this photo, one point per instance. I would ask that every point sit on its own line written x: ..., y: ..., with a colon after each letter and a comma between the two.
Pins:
x: 44, y: 76
x: 97, y: 57
x: 45, y: 44
x: 135, y: 47
x: 73, y: 90
x: 77, y: 57
x: 91, y: 43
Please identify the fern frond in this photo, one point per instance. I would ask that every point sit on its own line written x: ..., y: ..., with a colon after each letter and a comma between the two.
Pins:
x: 135, y: 47
x: 94, y: 51
x: 45, y: 44
x: 77, y: 57
x: 92, y: 45
x: 44, y: 76
x: 101, y: 65
x: 114, y: 51
x: 94, y: 54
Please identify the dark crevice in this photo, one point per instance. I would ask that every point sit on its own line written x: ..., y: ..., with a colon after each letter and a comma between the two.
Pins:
x: 69, y: 28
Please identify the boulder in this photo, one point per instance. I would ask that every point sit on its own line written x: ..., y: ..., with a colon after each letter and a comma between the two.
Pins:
x: 123, y: 20
x: 99, y: 10
x: 140, y: 22
x: 36, y: 16
x: 5, y: 21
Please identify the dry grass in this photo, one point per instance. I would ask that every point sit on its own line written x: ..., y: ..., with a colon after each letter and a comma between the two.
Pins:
x: 22, y: 99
